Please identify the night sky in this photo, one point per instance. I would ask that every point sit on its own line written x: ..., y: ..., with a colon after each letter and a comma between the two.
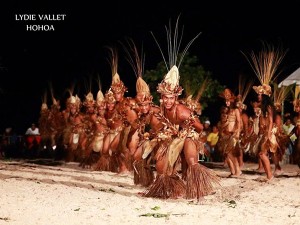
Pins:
x: 75, y: 50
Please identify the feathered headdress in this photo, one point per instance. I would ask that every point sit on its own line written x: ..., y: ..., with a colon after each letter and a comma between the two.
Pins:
x: 143, y: 94
x: 100, y: 97
x: 265, y: 65
x: 55, y: 103
x: 73, y: 100
x: 109, y: 97
x: 194, y: 103
x: 244, y: 88
x: 44, y: 106
x: 117, y: 85
x: 89, y: 100
x: 228, y: 95
x: 280, y: 95
x: 170, y: 83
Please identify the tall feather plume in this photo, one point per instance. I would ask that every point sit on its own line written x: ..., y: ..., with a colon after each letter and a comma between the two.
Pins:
x: 113, y: 59
x: 99, y: 96
x: 245, y: 86
x: 71, y: 89
x: 54, y: 102
x: 44, y: 99
x: 98, y: 80
x: 51, y: 90
x: 116, y: 84
x: 137, y: 63
x: 281, y: 94
x: 187, y: 89
x: 203, y: 87
x: 135, y: 60
x: 88, y: 84
x: 174, y: 40
x: 194, y: 102
x: 266, y: 62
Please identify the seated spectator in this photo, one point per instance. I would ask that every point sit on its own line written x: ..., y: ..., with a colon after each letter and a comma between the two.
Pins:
x: 33, y: 137
x: 33, y: 130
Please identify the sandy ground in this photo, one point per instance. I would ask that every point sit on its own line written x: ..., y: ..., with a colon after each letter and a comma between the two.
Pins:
x: 58, y: 193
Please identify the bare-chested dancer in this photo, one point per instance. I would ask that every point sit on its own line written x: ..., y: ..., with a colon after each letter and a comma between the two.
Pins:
x: 182, y: 134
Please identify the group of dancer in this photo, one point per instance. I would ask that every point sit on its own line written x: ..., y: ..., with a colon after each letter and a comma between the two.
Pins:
x: 128, y: 135
x: 261, y: 135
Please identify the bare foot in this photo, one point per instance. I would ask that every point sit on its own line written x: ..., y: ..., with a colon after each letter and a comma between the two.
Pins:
x: 236, y: 175
x: 271, y: 178
x: 260, y: 171
x: 264, y: 179
x: 278, y: 173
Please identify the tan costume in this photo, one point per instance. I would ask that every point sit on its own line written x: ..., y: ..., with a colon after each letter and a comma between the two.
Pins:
x: 74, y: 129
x: 142, y: 132
x: 181, y: 139
x: 96, y: 129
x: 229, y: 129
x: 255, y: 137
x: 265, y: 65
x: 108, y: 159
x: 246, y: 125
x: 124, y: 109
x: 143, y: 123
x: 177, y: 133
x: 100, y: 125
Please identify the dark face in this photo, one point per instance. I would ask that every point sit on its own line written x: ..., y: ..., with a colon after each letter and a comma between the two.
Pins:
x: 110, y: 106
x: 215, y: 129
x: 119, y: 96
x: 144, y: 108
x: 169, y: 100
x: 259, y: 97
x: 90, y: 109
x: 288, y: 122
x: 227, y: 102
x: 297, y: 108
x: 73, y: 109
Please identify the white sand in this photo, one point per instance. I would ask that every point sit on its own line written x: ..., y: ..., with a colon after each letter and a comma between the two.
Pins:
x: 66, y: 194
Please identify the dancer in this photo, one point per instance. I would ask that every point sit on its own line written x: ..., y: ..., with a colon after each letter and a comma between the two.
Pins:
x: 230, y: 133
x: 265, y: 65
x: 141, y: 138
x: 182, y: 133
x: 244, y: 141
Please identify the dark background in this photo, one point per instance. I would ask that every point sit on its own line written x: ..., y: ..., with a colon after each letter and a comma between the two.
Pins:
x: 75, y: 50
